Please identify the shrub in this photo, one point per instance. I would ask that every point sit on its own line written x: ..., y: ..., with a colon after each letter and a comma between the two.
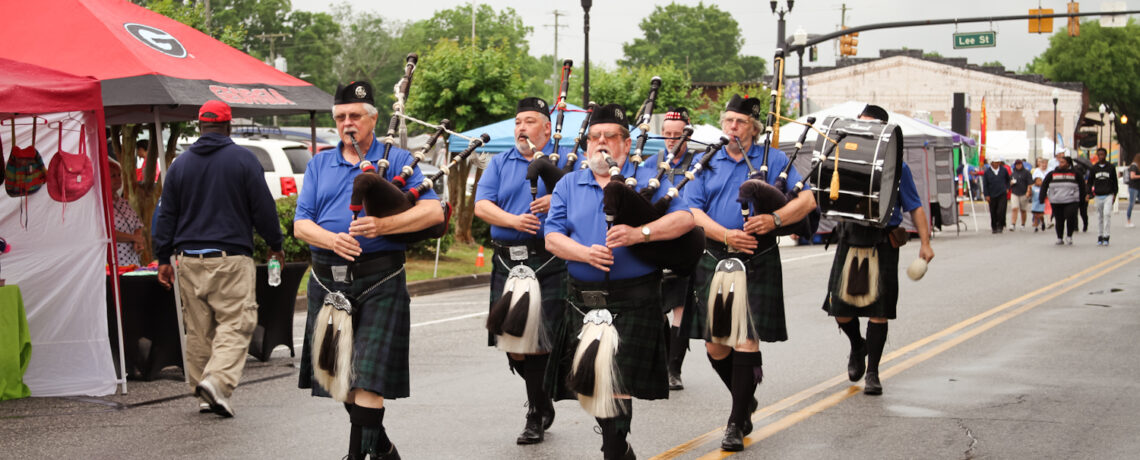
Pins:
x: 295, y: 250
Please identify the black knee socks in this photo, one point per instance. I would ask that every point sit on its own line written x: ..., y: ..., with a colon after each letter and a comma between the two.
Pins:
x: 851, y: 328
x: 745, y: 376
x: 614, y: 430
x: 876, y: 339
x: 371, y: 438
x: 534, y: 373
x: 517, y: 367
x: 723, y: 368
x: 678, y: 345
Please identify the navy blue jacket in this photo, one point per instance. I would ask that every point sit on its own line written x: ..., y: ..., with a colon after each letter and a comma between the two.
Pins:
x: 995, y: 184
x: 214, y: 196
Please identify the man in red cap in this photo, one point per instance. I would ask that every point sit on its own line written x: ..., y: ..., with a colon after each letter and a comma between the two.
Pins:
x: 214, y: 197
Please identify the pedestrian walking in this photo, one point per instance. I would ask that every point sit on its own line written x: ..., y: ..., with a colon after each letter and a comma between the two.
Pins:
x: 1065, y: 188
x: 1038, y: 206
x: 995, y: 183
x: 1019, y: 187
x: 1102, y: 185
x: 1133, y: 175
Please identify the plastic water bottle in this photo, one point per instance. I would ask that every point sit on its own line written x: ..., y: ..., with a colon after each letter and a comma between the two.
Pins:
x: 274, y: 272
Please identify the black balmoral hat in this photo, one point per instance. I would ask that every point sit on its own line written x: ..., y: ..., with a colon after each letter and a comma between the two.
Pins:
x: 533, y: 104
x: 875, y: 112
x: 609, y: 113
x: 357, y: 91
x: 746, y: 105
x: 678, y: 113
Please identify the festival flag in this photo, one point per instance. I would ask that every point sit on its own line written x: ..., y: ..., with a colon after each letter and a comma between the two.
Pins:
x: 982, y: 148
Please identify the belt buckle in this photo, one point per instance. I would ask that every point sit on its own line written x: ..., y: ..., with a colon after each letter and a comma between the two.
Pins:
x: 518, y: 253
x: 593, y: 298
x: 340, y: 273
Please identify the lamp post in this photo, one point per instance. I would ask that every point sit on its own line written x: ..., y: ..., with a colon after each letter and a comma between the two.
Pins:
x: 1111, y: 118
x: 1056, y: 95
x: 586, y: 4
x: 1100, y: 131
x: 801, y: 37
x: 781, y: 41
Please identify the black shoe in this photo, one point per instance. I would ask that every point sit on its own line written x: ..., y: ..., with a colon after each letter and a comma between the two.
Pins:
x: 871, y: 385
x: 533, y: 432
x: 548, y: 418
x: 629, y: 455
x: 747, y: 428
x: 675, y: 381
x: 392, y: 454
x: 857, y: 363
x: 733, y: 438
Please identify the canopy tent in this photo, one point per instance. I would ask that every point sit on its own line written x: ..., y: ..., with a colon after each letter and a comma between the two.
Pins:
x: 149, y: 65
x: 927, y: 149
x: 1014, y: 145
x: 503, y: 134
x: 58, y: 259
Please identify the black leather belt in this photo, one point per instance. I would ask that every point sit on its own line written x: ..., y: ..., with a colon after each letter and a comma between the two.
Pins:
x: 764, y: 242
x: 534, y: 247
x: 599, y: 294
x: 364, y: 265
x: 206, y: 255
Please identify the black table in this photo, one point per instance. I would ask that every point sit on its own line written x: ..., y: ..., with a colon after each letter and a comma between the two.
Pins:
x: 150, y: 326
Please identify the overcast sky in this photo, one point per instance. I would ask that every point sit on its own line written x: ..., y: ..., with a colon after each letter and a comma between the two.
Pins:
x: 613, y: 23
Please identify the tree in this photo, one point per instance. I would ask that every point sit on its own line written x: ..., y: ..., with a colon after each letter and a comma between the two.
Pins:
x: 194, y: 15
x: 1106, y: 60
x: 629, y: 87
x: 703, y: 40
x: 710, y: 115
x: 504, y: 29
x: 471, y: 86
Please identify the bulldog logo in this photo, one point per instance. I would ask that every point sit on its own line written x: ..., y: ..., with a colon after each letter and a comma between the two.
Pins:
x: 157, y: 39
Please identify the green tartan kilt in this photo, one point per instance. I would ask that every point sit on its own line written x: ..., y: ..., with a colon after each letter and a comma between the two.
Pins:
x: 641, y: 354
x: 381, y: 332
x: 551, y: 279
x: 884, y: 307
x: 765, y: 293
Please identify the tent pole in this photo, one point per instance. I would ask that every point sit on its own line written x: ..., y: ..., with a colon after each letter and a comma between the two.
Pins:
x: 969, y: 192
x: 158, y: 144
x: 112, y: 253
x: 177, y: 294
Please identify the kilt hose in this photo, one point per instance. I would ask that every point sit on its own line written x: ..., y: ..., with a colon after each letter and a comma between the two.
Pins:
x: 381, y: 330
x: 884, y: 307
x: 765, y: 292
x: 641, y: 358
x: 551, y: 272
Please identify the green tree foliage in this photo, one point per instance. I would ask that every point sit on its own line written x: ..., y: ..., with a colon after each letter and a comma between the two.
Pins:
x: 1107, y: 61
x: 504, y: 29
x: 194, y: 15
x: 710, y: 114
x: 703, y: 40
x: 629, y: 87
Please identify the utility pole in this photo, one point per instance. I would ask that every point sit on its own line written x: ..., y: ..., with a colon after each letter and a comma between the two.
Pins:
x: 472, y: 23
x: 557, y: 69
x: 842, y: 24
x: 272, y: 40
x: 586, y: 4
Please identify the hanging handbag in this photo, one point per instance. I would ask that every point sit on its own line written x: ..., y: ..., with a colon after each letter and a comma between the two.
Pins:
x: 70, y: 176
x: 25, y: 172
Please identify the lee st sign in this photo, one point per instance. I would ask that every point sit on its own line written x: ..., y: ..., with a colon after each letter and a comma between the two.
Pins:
x: 975, y: 40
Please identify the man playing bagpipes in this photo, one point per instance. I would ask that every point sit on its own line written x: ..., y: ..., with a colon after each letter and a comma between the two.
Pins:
x: 358, y: 269
x: 879, y: 294
x: 740, y: 299
x: 524, y: 274
x: 612, y: 347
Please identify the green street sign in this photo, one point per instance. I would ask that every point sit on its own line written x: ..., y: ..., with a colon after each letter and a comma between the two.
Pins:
x: 975, y: 40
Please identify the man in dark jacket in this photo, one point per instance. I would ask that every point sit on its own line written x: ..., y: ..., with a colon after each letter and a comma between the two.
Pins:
x: 1020, y: 192
x: 213, y: 198
x: 995, y: 183
x: 1102, y: 185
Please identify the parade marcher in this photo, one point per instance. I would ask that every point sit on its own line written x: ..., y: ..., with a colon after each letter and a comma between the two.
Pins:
x: 1133, y: 173
x: 996, y: 183
x: 712, y: 198
x: 1102, y: 185
x: 608, y: 281
x: 1065, y: 188
x: 1019, y: 187
x: 214, y: 197
x: 355, y: 258
x: 676, y: 290
x: 503, y: 200
x: 882, y: 309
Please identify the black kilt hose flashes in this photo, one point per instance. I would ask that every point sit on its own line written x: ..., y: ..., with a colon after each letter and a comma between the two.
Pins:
x: 884, y: 307
x: 641, y: 358
x: 551, y: 272
x: 765, y: 292
x: 381, y: 330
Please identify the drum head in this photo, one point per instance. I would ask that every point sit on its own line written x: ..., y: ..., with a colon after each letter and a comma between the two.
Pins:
x: 870, y: 156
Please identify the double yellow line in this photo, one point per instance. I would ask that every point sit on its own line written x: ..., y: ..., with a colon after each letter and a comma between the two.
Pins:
x: 995, y: 316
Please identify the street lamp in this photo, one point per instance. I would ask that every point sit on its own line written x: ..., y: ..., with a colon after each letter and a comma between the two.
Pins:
x: 1100, y: 131
x: 781, y: 40
x: 801, y: 37
x: 1056, y: 95
x: 586, y: 4
x: 1111, y: 117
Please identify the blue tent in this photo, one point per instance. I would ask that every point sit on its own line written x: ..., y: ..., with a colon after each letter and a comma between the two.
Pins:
x: 503, y: 135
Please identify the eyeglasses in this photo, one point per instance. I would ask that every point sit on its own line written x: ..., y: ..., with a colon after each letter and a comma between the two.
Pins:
x: 340, y: 117
x: 595, y: 136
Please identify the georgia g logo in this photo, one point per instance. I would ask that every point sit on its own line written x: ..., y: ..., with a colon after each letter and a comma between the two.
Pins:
x: 157, y: 39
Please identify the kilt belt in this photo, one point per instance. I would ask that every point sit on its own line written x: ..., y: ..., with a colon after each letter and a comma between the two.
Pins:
x: 364, y: 265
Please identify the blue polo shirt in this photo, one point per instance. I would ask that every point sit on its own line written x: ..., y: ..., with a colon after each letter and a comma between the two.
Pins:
x: 576, y: 211
x: 327, y: 191
x: 908, y: 197
x: 504, y: 183
x: 716, y: 191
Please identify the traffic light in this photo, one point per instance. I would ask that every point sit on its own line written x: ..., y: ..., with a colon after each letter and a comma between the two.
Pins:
x: 1074, y: 22
x: 848, y: 44
x: 1042, y: 25
x: 813, y: 54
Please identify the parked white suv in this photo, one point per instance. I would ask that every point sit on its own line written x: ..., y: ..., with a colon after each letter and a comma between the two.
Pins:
x: 283, y: 161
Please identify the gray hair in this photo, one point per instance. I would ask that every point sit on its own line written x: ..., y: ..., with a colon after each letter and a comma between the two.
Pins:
x: 368, y: 108
x: 756, y: 125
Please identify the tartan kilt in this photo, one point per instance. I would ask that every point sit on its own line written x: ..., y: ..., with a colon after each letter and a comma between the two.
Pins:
x: 381, y: 331
x: 641, y: 354
x: 884, y: 307
x: 551, y: 279
x: 765, y: 293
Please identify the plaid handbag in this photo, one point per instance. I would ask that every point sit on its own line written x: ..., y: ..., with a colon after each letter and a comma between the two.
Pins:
x: 25, y: 173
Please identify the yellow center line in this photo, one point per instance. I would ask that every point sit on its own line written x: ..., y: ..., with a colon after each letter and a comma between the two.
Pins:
x: 836, y: 398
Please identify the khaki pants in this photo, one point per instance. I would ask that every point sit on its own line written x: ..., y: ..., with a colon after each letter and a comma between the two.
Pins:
x: 220, y: 304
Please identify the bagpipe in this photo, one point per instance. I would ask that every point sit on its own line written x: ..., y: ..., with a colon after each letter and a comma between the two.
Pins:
x: 546, y: 166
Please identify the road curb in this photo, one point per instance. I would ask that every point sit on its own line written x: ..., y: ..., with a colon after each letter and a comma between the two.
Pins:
x: 425, y: 287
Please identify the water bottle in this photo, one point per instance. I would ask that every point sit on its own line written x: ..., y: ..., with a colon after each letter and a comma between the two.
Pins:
x: 274, y: 272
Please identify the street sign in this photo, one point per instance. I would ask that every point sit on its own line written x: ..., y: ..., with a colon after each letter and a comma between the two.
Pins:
x: 975, y: 40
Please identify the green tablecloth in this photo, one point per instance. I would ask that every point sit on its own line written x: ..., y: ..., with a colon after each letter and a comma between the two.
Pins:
x: 15, y: 344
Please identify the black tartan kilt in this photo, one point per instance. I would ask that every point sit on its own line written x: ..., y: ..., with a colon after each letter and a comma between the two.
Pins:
x: 551, y: 279
x: 641, y: 356
x: 381, y: 331
x: 765, y: 293
x: 884, y: 307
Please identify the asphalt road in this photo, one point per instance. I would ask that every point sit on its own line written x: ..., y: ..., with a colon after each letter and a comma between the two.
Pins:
x: 1010, y: 347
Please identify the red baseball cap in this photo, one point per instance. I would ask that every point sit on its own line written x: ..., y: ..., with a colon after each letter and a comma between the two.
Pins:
x: 214, y: 112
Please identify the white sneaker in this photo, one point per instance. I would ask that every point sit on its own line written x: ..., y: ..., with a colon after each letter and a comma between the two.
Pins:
x: 1069, y: 241
x: 1129, y: 224
x: 218, y: 403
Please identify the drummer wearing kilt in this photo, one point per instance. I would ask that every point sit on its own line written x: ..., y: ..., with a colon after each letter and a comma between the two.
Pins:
x: 353, y: 262
x: 504, y: 200
x: 740, y: 248
x: 612, y: 347
x: 879, y: 302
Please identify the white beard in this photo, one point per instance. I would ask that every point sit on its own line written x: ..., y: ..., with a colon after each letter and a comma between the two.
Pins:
x: 599, y: 166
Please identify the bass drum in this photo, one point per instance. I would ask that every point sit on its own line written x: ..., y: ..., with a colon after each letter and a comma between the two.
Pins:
x: 870, y: 165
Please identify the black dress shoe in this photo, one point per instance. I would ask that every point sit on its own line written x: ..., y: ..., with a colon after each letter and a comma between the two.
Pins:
x: 747, y: 428
x: 392, y: 454
x: 548, y: 418
x: 857, y: 363
x: 629, y: 455
x: 533, y: 432
x: 675, y: 382
x: 871, y: 385
x: 733, y: 438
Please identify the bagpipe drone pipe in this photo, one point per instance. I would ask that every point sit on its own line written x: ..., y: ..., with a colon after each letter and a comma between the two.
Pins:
x: 546, y: 166
x: 758, y: 197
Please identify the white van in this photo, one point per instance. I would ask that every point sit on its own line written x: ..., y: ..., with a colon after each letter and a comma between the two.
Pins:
x: 283, y: 161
